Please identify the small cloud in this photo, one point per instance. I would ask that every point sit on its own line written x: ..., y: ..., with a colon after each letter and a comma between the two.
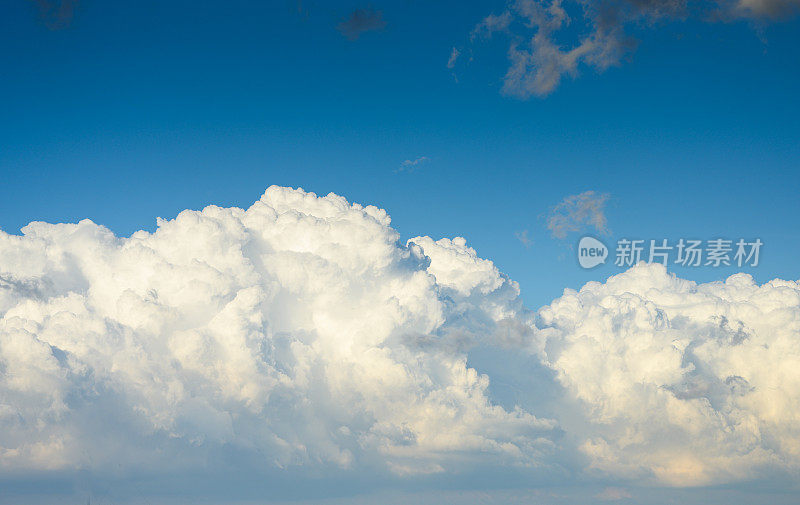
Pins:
x: 765, y: 9
x: 613, y: 494
x: 411, y: 165
x: 56, y: 14
x: 360, y: 21
x: 523, y: 237
x: 577, y: 212
x: 454, y: 54
x: 491, y: 24
x: 544, y: 48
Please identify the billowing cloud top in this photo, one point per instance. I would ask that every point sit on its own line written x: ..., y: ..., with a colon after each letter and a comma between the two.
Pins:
x: 690, y: 384
x: 300, y: 333
x: 299, y: 329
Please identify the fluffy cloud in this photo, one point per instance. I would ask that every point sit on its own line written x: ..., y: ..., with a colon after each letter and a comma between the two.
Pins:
x: 684, y: 383
x: 541, y: 53
x: 301, y: 334
x: 299, y: 331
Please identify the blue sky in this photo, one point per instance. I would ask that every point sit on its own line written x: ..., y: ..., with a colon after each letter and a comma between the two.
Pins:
x: 129, y: 111
x: 137, y: 110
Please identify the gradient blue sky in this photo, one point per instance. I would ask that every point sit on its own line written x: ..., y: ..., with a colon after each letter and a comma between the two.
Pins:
x: 142, y: 109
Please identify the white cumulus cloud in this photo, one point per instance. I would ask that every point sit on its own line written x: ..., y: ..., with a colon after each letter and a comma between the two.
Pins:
x: 684, y: 383
x: 299, y: 331
x: 300, y: 334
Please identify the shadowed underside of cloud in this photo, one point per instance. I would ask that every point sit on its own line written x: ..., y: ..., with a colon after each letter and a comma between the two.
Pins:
x: 301, y: 334
x: 360, y: 21
x: 536, y: 29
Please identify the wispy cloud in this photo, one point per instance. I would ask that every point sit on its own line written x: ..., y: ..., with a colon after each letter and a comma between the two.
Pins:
x: 451, y: 61
x: 578, y: 212
x: 524, y: 237
x: 541, y: 51
x: 360, y: 21
x: 771, y: 9
x: 411, y: 165
x: 56, y: 14
x: 613, y: 494
x: 491, y: 24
